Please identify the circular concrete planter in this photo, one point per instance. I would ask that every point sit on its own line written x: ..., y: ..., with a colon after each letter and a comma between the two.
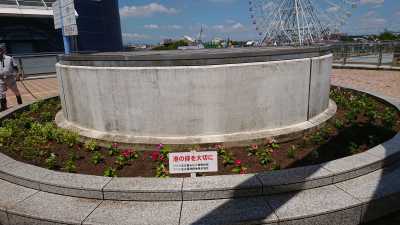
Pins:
x: 194, y: 96
x: 350, y: 190
x: 202, y: 188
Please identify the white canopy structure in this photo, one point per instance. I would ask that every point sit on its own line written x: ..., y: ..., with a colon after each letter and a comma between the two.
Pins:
x: 26, y: 8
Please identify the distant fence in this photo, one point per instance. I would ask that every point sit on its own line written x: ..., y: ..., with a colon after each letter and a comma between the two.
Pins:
x: 367, y: 53
x: 387, y: 53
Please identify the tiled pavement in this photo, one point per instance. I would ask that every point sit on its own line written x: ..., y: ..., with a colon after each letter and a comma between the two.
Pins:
x: 40, y: 88
x: 384, y: 82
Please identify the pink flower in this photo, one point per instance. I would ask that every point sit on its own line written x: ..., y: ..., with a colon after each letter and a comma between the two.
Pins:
x: 254, y: 146
x: 160, y: 146
x: 155, y: 155
x: 115, y: 145
x: 238, y: 162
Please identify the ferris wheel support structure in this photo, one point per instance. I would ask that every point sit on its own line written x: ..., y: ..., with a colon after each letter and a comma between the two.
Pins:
x: 298, y: 22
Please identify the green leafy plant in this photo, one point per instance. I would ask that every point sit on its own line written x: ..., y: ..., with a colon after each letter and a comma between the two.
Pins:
x: 264, y: 157
x: 5, y: 135
x: 91, y: 145
x: 291, y: 154
x: 239, y: 168
x: 34, y: 107
x: 353, y: 148
x: 317, y: 138
x: 275, y: 166
x: 252, y: 149
x: 162, y: 171
x: 339, y: 124
x: 121, y: 161
x: 113, y: 149
x: 51, y: 161
x: 110, y: 172
x: 97, y: 158
x: 271, y: 142
x: 46, y: 116
x: 70, y: 166
x: 227, y: 158
x: 388, y: 118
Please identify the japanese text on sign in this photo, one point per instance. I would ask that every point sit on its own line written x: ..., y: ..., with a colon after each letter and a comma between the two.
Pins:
x: 193, y: 162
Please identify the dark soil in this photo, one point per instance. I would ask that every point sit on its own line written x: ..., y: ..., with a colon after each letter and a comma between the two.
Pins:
x: 361, y: 123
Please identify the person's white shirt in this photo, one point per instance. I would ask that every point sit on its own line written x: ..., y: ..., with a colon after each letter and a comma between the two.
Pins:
x: 7, y: 66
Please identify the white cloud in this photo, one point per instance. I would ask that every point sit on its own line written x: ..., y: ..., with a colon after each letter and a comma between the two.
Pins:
x: 174, y: 27
x: 372, y: 2
x: 146, y: 10
x: 230, y: 28
x: 151, y: 26
x: 167, y: 27
x: 134, y: 36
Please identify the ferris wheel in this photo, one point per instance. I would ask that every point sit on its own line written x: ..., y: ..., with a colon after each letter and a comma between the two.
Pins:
x: 299, y: 22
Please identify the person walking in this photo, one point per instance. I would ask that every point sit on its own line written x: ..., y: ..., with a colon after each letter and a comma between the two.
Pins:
x: 8, y: 76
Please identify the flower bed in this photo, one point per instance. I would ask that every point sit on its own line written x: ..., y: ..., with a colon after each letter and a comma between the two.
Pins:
x: 361, y: 123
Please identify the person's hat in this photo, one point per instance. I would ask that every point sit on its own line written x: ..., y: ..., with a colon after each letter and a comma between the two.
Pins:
x: 2, y: 46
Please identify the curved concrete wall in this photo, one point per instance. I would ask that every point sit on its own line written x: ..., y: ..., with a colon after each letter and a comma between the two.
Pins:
x: 195, y: 100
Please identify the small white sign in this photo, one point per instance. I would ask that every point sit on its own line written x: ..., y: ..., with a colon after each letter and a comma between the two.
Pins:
x: 70, y: 30
x: 193, y: 162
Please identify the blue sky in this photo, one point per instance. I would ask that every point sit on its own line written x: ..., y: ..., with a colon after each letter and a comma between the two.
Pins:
x: 149, y: 21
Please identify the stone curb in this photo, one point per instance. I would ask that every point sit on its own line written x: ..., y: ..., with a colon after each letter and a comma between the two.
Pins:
x: 204, y: 188
x: 351, y: 202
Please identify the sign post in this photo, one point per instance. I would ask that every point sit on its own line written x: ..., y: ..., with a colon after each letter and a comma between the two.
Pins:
x: 65, y: 19
x: 193, y: 162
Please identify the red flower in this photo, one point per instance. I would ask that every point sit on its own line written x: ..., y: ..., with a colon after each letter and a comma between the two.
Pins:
x: 238, y: 162
x: 155, y: 155
x: 115, y: 145
x: 127, y: 153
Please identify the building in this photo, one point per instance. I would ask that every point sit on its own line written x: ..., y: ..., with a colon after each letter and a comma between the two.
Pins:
x: 28, y: 27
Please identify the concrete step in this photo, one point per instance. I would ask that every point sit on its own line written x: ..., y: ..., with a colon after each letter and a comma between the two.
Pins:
x: 353, y: 201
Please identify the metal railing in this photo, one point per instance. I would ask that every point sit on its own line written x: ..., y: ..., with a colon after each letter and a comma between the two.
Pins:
x: 37, y: 64
x: 378, y: 54
x: 28, y: 3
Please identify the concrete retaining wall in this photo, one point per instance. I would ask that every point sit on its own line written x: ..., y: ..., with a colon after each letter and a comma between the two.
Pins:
x: 181, y: 101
